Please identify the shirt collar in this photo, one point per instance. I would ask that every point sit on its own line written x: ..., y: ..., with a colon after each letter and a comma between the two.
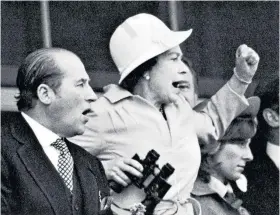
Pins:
x: 214, y: 186
x: 219, y: 187
x: 272, y: 151
x: 115, y: 93
x: 43, y: 134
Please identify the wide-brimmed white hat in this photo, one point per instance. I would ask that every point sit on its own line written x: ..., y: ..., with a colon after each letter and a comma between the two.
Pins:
x: 140, y: 38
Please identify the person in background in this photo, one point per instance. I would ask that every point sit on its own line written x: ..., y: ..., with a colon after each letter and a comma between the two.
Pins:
x: 146, y: 111
x: 221, y: 168
x: 262, y: 173
x: 41, y: 171
x: 190, y: 91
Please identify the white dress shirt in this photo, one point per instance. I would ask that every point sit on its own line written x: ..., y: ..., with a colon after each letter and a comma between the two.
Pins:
x: 272, y: 151
x: 45, y: 137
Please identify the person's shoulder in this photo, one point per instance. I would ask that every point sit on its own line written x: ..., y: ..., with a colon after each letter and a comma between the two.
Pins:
x: 101, y: 105
x: 7, y: 117
x: 201, y: 188
x: 114, y: 95
x: 9, y: 121
x: 111, y: 98
x: 211, y: 204
x: 10, y: 125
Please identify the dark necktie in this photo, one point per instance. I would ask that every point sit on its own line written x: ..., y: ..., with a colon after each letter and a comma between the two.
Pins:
x: 232, y: 200
x: 65, y: 163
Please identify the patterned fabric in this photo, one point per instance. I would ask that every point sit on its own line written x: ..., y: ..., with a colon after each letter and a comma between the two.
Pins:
x: 65, y: 163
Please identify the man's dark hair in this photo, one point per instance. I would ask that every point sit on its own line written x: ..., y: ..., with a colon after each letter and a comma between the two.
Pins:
x: 268, y: 92
x: 269, y: 95
x: 39, y: 67
x: 132, y: 79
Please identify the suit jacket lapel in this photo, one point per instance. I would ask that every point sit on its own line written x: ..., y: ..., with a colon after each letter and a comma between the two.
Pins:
x: 87, y: 180
x: 39, y: 166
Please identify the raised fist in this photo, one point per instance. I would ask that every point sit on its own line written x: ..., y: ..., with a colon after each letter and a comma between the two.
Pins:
x: 246, y: 65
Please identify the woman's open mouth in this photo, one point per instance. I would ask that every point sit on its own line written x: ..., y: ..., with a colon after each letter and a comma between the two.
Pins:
x: 180, y: 84
x: 87, y: 111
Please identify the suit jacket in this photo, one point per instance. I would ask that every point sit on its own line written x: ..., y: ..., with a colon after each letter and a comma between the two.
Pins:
x: 262, y: 197
x: 30, y: 183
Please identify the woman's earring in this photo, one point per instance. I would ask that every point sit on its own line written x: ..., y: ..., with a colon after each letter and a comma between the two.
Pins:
x: 147, y: 77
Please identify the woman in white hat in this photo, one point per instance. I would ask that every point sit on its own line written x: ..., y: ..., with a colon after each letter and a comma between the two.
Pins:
x: 221, y: 169
x: 146, y: 111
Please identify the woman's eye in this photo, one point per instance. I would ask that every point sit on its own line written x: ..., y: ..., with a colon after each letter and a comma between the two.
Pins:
x: 81, y: 84
x: 243, y: 144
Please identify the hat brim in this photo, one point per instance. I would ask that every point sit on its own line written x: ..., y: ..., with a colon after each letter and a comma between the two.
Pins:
x: 174, y: 39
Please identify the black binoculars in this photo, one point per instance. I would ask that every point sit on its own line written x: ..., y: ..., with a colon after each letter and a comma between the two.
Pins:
x: 158, y: 186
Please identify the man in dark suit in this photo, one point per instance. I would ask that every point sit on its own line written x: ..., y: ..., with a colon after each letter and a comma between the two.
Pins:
x: 42, y: 173
x: 262, y: 197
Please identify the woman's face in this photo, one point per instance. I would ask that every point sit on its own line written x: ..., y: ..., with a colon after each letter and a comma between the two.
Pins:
x: 231, y: 159
x: 169, y: 77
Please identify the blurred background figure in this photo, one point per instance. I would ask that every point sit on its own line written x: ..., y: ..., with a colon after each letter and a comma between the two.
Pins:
x: 223, y: 167
x: 190, y: 90
x: 262, y: 197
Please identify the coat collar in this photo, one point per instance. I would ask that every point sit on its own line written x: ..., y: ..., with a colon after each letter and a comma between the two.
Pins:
x: 115, y: 93
x: 21, y: 130
x: 201, y: 189
x: 214, y: 186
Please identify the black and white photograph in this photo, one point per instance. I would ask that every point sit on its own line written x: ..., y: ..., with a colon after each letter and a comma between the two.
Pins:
x: 140, y: 107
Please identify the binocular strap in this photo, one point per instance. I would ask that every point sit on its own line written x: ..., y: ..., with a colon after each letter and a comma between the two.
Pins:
x: 129, y: 211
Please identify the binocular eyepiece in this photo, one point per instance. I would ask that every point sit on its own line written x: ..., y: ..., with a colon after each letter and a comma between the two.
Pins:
x: 149, y: 164
x: 157, y: 188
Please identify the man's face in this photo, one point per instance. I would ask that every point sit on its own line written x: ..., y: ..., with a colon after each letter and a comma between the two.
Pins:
x: 170, y: 76
x: 72, y: 101
x: 231, y: 159
x: 188, y: 89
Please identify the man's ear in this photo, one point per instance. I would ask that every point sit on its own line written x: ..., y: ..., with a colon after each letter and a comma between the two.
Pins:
x: 45, y: 94
x: 271, y: 117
